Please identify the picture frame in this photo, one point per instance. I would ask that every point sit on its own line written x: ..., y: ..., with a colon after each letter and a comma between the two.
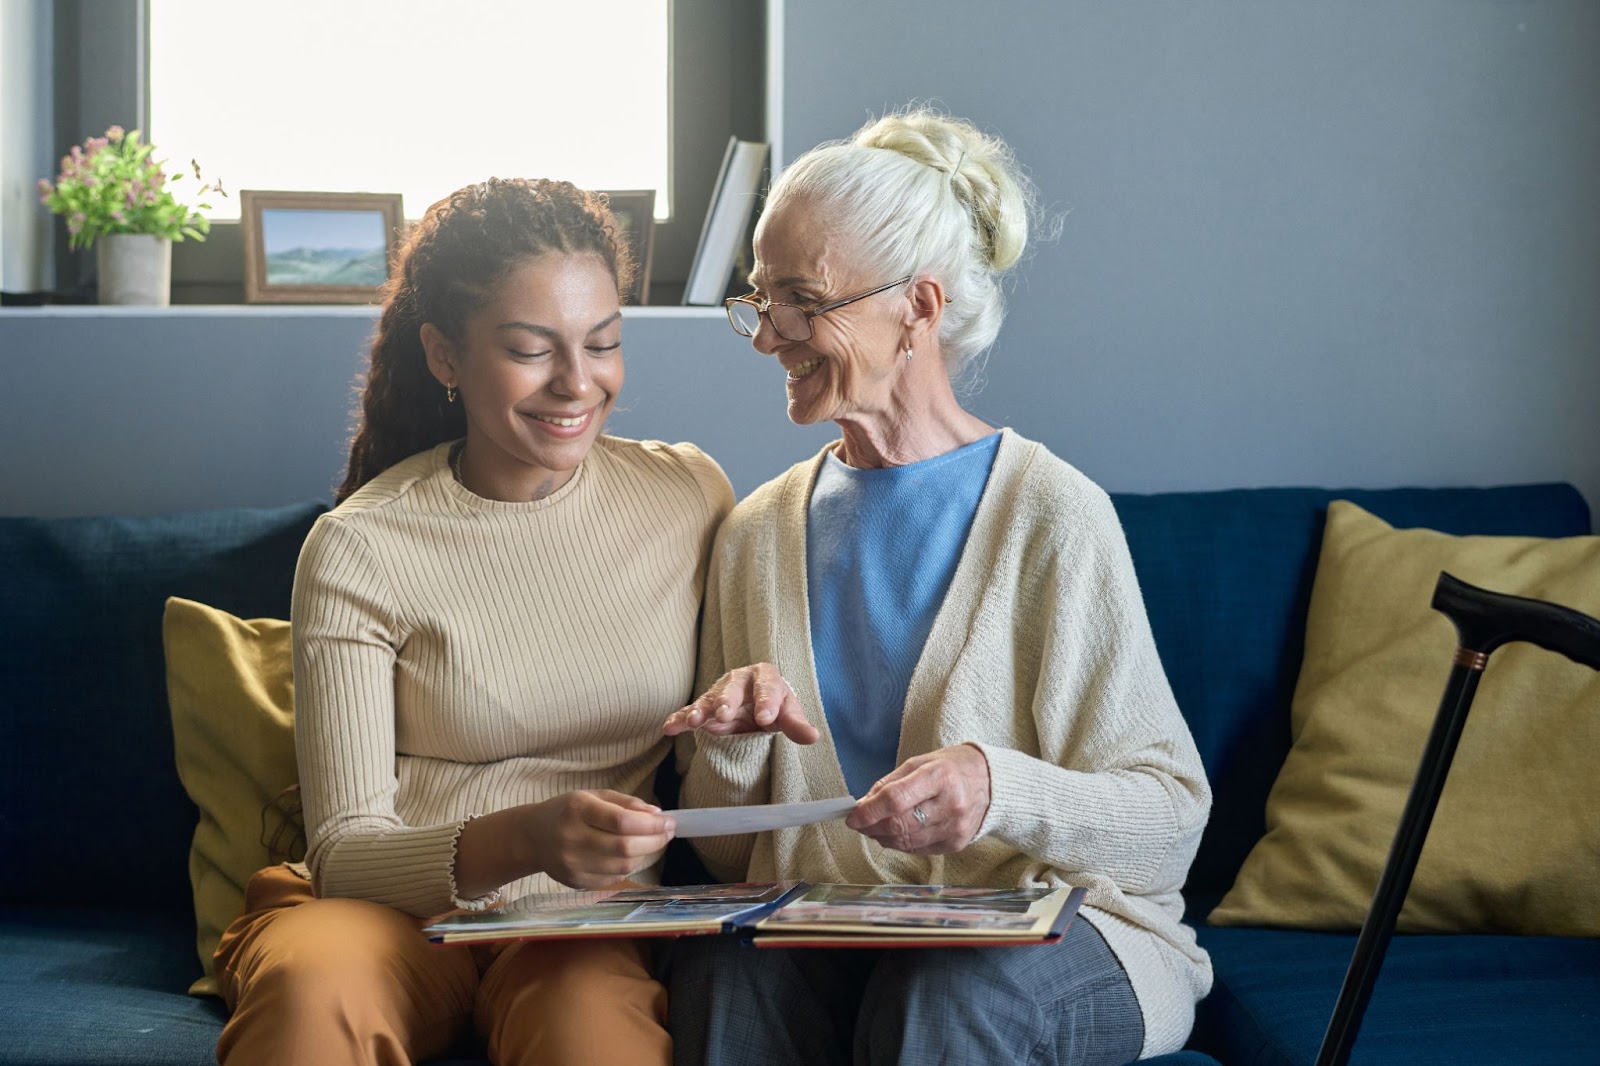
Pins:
x: 318, y: 247
x: 636, y: 211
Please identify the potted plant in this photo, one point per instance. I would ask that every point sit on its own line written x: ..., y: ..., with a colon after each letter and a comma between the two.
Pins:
x: 117, y: 197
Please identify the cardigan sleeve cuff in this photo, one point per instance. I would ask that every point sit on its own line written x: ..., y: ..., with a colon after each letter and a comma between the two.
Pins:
x: 728, y: 771
x: 1062, y: 817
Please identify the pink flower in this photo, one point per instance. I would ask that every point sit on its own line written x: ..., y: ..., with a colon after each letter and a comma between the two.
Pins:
x: 45, y: 189
x: 115, y: 133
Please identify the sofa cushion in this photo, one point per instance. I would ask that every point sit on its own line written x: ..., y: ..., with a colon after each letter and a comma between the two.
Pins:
x: 85, y: 734
x: 96, y: 987
x: 1440, y: 999
x: 1516, y: 840
x: 231, y: 686
x: 101, y: 986
x: 1226, y: 578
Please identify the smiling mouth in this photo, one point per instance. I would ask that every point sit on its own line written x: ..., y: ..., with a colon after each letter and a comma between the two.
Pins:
x: 805, y: 369
x: 565, y: 423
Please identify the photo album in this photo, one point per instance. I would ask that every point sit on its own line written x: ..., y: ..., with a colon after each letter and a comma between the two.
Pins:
x: 783, y: 914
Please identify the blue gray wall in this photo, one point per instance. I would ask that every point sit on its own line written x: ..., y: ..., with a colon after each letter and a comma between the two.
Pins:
x: 135, y: 411
x: 1339, y: 243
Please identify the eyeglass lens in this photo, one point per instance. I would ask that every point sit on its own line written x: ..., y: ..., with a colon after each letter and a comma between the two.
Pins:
x: 746, y: 319
x: 790, y: 322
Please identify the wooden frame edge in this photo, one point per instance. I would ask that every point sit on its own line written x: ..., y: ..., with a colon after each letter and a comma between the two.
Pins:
x: 252, y: 204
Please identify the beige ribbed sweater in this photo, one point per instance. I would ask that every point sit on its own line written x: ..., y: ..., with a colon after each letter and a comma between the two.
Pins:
x: 454, y: 656
x: 1041, y: 654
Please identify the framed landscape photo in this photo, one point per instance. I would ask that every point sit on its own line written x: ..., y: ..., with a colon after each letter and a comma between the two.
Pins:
x: 317, y: 247
x: 636, y: 210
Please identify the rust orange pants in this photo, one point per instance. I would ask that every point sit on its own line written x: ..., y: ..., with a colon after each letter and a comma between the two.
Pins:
x: 346, y: 981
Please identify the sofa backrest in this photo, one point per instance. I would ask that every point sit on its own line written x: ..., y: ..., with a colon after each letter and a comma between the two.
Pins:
x: 1226, y: 578
x: 91, y: 811
x: 90, y: 805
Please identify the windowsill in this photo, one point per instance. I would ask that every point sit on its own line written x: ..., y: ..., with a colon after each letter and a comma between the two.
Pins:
x: 282, y: 311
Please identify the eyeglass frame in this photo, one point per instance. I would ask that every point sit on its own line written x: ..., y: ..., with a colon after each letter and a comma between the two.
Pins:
x: 765, y: 309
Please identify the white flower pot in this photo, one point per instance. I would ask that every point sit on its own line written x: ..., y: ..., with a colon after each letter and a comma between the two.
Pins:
x: 134, y: 268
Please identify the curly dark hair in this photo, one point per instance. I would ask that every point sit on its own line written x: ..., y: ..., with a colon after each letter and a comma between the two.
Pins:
x: 447, y: 268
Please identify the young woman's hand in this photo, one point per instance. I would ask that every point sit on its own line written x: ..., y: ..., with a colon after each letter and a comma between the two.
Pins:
x: 749, y: 699
x: 586, y: 839
x: 594, y: 838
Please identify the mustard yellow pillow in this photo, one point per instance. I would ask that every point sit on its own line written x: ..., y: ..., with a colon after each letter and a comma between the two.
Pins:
x: 230, y: 686
x: 1515, y: 844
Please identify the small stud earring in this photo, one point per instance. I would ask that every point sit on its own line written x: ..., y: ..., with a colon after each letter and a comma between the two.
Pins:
x: 908, y: 353
x: 450, y: 394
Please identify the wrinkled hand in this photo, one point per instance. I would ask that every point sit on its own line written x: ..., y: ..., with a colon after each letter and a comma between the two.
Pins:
x: 951, y: 788
x: 594, y: 838
x: 750, y: 699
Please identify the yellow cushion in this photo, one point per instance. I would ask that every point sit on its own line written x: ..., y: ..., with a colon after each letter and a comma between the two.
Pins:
x: 230, y: 686
x: 1515, y: 844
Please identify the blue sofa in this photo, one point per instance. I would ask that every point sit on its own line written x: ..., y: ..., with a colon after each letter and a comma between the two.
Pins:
x: 96, y: 929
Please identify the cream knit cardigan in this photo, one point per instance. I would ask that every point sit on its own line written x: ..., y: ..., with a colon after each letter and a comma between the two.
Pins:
x: 1042, y: 656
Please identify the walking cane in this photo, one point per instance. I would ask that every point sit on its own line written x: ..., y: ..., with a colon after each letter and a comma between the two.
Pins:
x: 1484, y: 620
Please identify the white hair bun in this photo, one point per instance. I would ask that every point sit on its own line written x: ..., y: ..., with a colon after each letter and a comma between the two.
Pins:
x: 981, y: 169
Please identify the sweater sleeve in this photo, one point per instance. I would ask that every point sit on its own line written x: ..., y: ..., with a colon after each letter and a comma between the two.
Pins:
x: 723, y: 771
x: 346, y: 632
x: 1117, y: 787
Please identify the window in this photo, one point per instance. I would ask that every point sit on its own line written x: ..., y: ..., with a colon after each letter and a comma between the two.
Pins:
x: 412, y: 96
x: 715, y: 87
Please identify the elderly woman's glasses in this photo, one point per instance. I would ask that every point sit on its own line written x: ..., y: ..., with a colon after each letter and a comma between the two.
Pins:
x: 789, y: 321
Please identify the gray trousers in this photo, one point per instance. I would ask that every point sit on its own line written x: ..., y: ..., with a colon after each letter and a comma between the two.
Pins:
x: 731, y: 1004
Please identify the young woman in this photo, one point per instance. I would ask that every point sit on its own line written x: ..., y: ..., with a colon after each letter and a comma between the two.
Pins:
x: 488, y: 629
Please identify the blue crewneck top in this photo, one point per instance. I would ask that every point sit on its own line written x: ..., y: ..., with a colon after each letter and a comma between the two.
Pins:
x: 881, y: 549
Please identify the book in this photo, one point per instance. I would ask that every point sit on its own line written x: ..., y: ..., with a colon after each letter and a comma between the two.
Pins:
x: 782, y: 914
x: 678, y: 911
x: 916, y: 916
x: 733, y: 200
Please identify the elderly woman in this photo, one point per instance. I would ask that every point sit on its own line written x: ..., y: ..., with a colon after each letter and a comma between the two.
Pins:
x: 944, y: 621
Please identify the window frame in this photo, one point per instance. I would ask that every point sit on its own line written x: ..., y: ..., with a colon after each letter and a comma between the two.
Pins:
x: 717, y: 87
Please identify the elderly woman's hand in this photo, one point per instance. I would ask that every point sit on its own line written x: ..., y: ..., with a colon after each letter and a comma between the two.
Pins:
x: 950, y: 787
x: 749, y: 699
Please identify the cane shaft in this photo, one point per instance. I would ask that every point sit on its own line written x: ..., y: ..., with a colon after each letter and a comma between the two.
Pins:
x: 1373, y: 943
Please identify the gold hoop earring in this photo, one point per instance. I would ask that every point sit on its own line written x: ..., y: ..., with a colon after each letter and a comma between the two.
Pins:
x: 450, y: 394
